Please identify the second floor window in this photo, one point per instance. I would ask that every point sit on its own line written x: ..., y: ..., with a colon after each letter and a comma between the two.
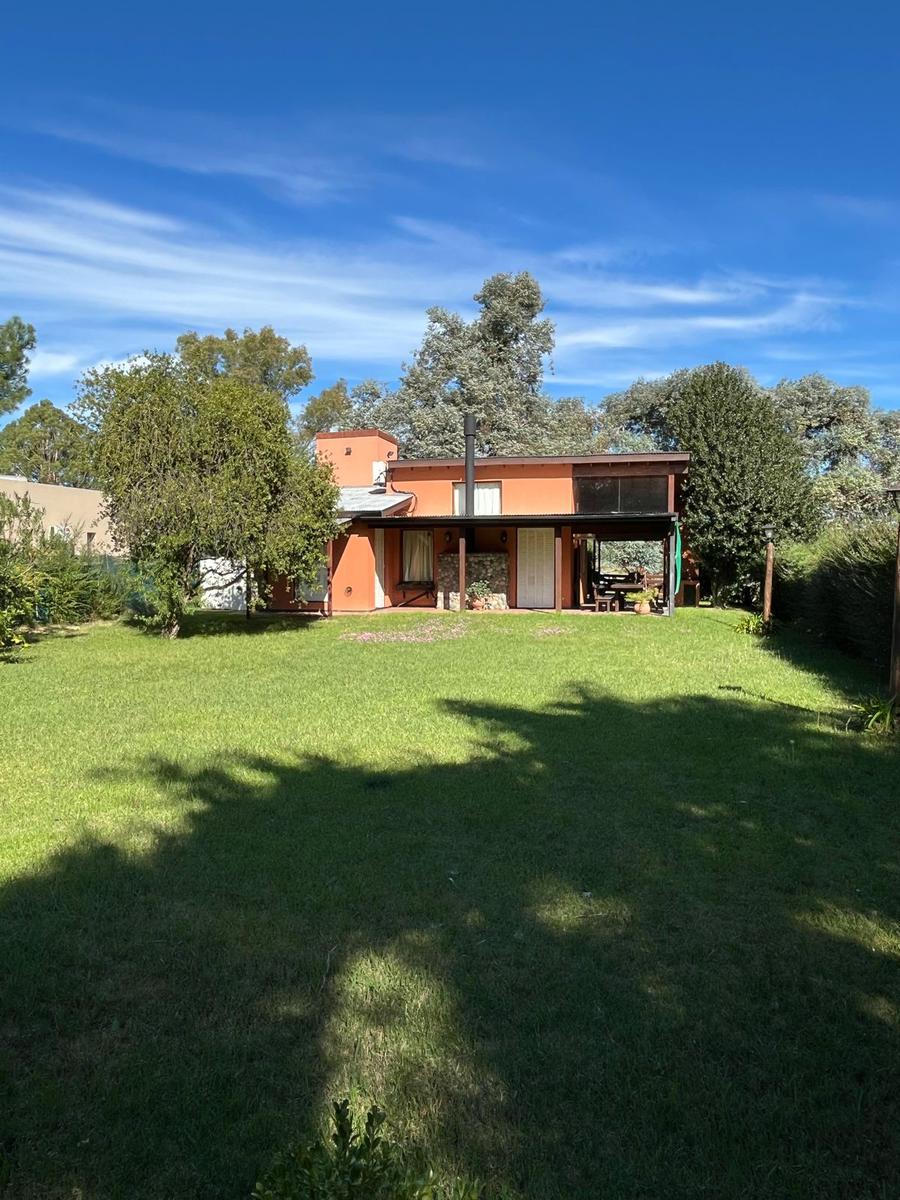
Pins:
x: 487, y: 499
x: 622, y: 494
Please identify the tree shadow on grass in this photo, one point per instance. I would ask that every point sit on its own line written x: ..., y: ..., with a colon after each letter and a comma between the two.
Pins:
x: 622, y: 951
x: 832, y: 667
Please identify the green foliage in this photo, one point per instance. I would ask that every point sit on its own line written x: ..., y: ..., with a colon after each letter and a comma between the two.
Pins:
x: 840, y: 586
x: 479, y: 589
x: 745, y: 471
x: 198, y: 465
x: 331, y: 409
x: 355, y: 1166
x: 19, y: 588
x: 16, y: 340
x: 633, y: 556
x: 754, y: 625
x: 876, y: 714
x: 46, y: 445
x: 44, y: 579
x: 261, y: 358
x: 848, y: 449
x: 492, y: 366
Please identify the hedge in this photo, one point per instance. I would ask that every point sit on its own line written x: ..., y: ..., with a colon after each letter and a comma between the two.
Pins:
x: 841, y: 587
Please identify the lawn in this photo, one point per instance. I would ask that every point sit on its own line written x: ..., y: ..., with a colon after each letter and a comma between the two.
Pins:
x: 596, y: 907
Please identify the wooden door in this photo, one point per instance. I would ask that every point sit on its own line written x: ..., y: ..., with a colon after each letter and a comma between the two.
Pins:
x: 534, y: 571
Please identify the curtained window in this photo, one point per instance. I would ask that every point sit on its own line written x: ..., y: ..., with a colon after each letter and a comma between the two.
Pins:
x: 418, y: 566
x: 487, y: 499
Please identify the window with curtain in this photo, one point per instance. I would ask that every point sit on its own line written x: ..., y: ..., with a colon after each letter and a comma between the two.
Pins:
x: 487, y: 499
x: 417, y: 556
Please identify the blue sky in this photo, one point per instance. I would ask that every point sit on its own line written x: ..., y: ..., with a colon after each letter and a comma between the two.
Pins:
x: 687, y: 181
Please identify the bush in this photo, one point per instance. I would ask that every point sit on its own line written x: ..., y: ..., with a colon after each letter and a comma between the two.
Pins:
x: 19, y: 587
x: 841, y: 587
x: 44, y: 579
x: 356, y: 1166
x: 754, y: 624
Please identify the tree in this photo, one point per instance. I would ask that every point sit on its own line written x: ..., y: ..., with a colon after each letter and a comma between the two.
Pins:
x: 16, y: 341
x: 331, y: 409
x: 491, y: 366
x: 263, y: 358
x: 199, y: 464
x: 46, y: 445
x: 746, y: 470
x: 847, y: 445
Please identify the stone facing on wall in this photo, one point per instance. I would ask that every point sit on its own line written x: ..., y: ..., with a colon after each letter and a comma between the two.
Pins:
x: 493, y: 568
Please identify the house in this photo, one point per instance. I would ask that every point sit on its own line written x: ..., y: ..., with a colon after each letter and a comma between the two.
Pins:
x: 73, y: 512
x: 418, y: 531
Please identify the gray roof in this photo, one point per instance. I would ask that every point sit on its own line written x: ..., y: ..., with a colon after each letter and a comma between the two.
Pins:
x: 360, y: 501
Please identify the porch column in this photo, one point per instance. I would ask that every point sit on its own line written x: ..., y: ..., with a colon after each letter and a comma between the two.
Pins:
x: 462, y: 570
x: 557, y: 569
x: 670, y: 573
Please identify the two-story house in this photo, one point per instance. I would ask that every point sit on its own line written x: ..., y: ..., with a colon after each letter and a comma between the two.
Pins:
x: 418, y: 531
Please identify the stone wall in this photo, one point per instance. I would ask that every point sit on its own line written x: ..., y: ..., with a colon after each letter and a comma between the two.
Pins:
x: 494, y: 568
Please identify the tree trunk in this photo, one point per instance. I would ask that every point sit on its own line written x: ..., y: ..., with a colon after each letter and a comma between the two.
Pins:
x: 248, y: 592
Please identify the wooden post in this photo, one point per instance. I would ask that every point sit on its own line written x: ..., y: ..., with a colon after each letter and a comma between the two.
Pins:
x: 895, y: 639
x: 557, y: 569
x: 767, y: 585
x: 462, y: 570
x: 671, y: 569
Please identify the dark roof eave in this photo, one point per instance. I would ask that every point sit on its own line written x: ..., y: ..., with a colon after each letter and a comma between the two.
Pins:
x: 529, y: 519
x: 673, y: 456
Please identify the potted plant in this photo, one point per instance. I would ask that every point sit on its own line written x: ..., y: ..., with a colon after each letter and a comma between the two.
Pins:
x: 642, y: 600
x: 478, y: 593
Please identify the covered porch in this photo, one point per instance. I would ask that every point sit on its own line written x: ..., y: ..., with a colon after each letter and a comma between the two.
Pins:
x: 543, y: 561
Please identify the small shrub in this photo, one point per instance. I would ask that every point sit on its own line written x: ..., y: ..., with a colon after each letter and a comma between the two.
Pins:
x: 479, y: 589
x: 875, y: 714
x: 355, y: 1166
x: 754, y: 625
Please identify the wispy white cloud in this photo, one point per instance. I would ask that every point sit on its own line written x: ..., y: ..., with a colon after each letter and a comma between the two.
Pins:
x: 869, y: 209
x: 101, y: 280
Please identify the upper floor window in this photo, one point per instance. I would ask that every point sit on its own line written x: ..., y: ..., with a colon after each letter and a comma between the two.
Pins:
x: 621, y: 494
x: 487, y: 499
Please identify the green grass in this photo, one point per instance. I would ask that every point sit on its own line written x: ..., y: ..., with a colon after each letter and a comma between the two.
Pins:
x: 604, y: 912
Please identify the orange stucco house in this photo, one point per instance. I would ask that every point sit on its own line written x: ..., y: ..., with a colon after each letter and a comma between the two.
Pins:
x: 418, y: 531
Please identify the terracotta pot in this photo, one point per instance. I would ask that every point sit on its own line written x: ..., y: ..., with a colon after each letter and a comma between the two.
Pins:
x: 642, y: 608
x: 476, y: 604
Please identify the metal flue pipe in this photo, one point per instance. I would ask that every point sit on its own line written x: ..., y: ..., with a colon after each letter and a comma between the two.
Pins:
x: 469, y: 431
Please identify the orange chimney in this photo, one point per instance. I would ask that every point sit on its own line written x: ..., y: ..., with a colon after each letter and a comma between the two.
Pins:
x: 358, y: 456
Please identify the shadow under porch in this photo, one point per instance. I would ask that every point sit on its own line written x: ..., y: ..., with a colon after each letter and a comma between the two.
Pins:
x: 527, y: 562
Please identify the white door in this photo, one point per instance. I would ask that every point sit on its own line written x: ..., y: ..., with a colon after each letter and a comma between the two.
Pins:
x: 379, y: 568
x: 534, y: 572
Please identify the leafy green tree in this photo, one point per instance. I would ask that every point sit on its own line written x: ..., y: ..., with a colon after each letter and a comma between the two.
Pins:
x: 492, y: 365
x: 331, y: 409
x: 46, y: 445
x: 261, y: 357
x: 16, y: 341
x: 199, y: 464
x: 850, y: 448
x: 746, y: 470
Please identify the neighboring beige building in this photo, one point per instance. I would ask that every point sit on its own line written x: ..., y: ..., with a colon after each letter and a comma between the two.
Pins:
x: 72, y: 511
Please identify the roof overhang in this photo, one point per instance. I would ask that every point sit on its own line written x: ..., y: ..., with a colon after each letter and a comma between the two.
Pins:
x: 678, y: 458
x: 661, y: 520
